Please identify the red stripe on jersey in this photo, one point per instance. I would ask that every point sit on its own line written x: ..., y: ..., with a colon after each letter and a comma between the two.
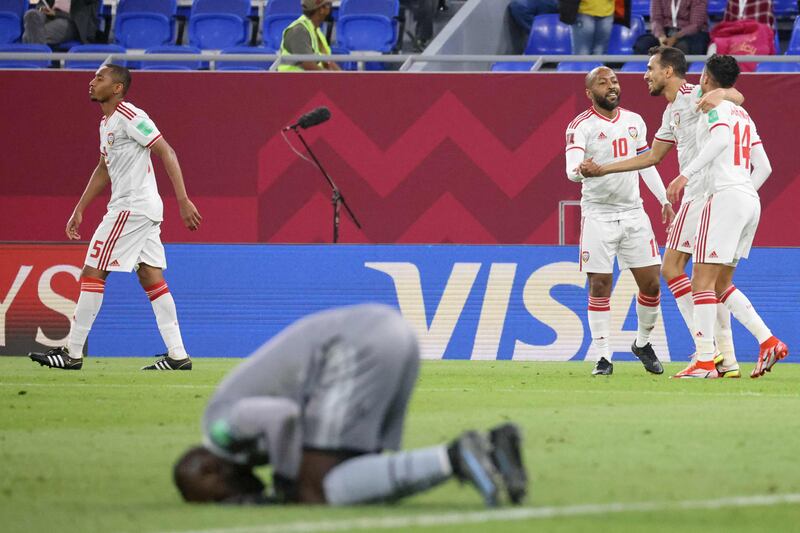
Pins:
x: 612, y: 120
x: 755, y: 143
x: 663, y: 140
x: 577, y: 122
x: 123, y: 105
x: 125, y: 114
x: 720, y: 124
x: 124, y: 111
x: 151, y: 144
x: 567, y: 150
x: 578, y: 119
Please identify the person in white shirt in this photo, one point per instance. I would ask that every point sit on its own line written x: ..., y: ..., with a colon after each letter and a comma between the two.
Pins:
x: 128, y: 237
x: 613, y: 222
x: 666, y: 75
x: 735, y: 165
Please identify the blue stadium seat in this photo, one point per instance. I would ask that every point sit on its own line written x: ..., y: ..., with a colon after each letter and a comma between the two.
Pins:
x: 640, y: 7
x: 634, y: 66
x: 216, y: 24
x: 784, y: 8
x: 246, y: 65
x: 577, y: 66
x: 172, y: 64
x: 92, y: 64
x: 11, y: 13
x: 278, y: 14
x: 778, y: 67
x: 716, y: 8
x: 696, y: 67
x: 548, y: 36
x: 388, y: 8
x: 793, y: 48
x: 623, y: 37
x: 25, y: 63
x: 511, y: 66
x: 366, y: 32
x: 145, y: 23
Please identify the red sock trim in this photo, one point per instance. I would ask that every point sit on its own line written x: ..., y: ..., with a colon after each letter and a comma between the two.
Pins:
x: 680, y: 285
x: 649, y: 301
x: 157, y: 290
x: 90, y: 284
x: 599, y: 303
x: 730, y: 290
x: 704, y: 297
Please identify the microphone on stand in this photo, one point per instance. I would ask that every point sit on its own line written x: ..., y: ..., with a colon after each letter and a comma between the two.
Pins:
x: 312, y: 118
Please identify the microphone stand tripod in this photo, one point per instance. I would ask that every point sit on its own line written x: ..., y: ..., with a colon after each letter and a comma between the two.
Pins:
x: 337, y: 200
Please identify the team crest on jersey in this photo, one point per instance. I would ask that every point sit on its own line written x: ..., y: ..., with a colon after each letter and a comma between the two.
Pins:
x: 676, y: 119
x: 110, y: 138
x: 570, y: 138
x: 585, y: 257
x: 633, y: 132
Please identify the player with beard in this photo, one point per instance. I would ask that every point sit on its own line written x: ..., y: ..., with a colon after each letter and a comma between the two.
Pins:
x: 613, y: 222
x: 666, y: 73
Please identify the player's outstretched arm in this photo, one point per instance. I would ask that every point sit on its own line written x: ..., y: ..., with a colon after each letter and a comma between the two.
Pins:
x: 191, y: 217
x: 97, y: 183
x: 713, y: 98
x: 650, y: 158
x: 762, y: 168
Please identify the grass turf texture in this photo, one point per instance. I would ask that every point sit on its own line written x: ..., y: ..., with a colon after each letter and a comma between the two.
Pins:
x: 92, y: 450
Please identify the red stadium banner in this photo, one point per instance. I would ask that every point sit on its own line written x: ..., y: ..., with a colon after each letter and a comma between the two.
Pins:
x: 421, y: 158
x: 38, y: 290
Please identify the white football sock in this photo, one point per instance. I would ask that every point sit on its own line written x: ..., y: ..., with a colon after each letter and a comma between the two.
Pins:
x: 167, y: 319
x: 743, y: 310
x: 647, y: 308
x: 681, y: 289
x: 89, y: 302
x: 705, y: 315
x: 723, y: 336
x: 599, y: 325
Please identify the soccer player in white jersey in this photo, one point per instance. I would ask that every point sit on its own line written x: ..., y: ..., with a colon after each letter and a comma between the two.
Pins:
x: 730, y: 148
x: 128, y: 237
x: 614, y: 223
x: 666, y: 75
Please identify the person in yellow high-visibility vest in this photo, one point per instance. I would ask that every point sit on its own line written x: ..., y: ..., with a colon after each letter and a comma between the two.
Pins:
x: 304, y: 36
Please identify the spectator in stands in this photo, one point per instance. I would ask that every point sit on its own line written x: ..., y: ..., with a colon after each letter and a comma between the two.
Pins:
x: 682, y: 24
x: 57, y: 21
x: 424, y: 11
x: 524, y: 11
x: 592, y: 28
x: 304, y: 36
x: 758, y: 10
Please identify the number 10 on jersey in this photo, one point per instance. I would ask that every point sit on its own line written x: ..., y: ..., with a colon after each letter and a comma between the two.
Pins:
x: 620, y: 147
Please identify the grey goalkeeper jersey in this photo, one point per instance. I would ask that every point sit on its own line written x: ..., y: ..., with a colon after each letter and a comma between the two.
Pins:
x: 268, y: 407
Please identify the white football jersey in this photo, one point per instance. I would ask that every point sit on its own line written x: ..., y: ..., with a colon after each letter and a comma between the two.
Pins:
x: 731, y: 168
x: 679, y: 126
x: 125, y: 140
x: 607, y: 141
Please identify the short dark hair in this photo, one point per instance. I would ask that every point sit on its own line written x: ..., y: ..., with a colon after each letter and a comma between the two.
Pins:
x: 121, y: 75
x: 201, y: 476
x: 724, y: 70
x: 669, y: 56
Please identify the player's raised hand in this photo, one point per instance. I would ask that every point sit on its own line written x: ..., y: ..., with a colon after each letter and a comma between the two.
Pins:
x: 191, y: 217
x: 589, y: 169
x: 710, y: 100
x: 667, y: 214
x: 72, y: 226
x: 675, y: 187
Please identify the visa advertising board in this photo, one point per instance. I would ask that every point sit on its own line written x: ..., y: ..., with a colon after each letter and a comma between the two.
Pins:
x: 466, y: 302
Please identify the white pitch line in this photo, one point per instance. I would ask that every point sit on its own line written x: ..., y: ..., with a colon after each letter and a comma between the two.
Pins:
x: 677, y: 392
x: 504, y: 515
x: 109, y: 385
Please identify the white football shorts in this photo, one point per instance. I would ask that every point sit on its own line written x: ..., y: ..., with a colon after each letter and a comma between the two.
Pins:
x: 727, y: 227
x: 123, y: 240
x: 683, y: 229
x: 630, y: 240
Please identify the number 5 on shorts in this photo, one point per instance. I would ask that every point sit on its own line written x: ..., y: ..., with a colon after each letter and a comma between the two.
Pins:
x: 96, y: 249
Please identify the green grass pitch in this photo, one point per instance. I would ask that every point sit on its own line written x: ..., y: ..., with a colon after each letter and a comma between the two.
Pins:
x: 92, y: 450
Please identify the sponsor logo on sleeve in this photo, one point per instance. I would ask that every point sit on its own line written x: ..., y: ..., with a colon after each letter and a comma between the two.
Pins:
x: 145, y: 127
x: 713, y: 116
